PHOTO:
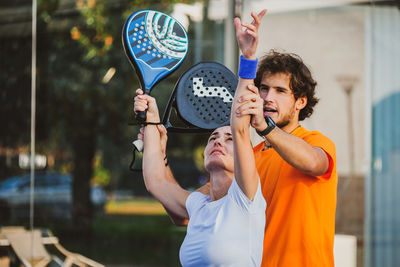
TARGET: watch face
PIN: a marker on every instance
(269, 121)
(270, 127)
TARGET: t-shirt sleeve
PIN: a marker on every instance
(319, 140)
(237, 195)
(194, 202)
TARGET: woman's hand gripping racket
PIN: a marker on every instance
(155, 44)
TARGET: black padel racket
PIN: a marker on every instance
(202, 98)
(156, 44)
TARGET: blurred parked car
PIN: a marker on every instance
(53, 197)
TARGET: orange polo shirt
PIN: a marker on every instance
(300, 214)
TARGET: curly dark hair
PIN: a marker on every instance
(301, 81)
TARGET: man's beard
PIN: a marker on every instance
(286, 119)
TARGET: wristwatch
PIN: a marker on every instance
(271, 125)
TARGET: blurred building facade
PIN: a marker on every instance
(352, 50)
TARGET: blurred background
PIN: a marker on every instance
(83, 190)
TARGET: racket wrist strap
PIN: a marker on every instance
(247, 68)
(151, 123)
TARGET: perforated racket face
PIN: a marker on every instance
(204, 95)
(155, 43)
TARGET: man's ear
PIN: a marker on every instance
(301, 102)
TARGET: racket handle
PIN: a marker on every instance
(141, 116)
(138, 144)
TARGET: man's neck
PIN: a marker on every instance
(289, 128)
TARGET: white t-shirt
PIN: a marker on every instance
(225, 232)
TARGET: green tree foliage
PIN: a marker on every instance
(79, 115)
(95, 114)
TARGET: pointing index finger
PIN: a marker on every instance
(257, 18)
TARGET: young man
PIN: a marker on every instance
(297, 167)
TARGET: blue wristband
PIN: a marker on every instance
(247, 68)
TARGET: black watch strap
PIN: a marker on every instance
(271, 125)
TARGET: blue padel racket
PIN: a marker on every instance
(156, 44)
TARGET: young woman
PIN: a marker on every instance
(226, 226)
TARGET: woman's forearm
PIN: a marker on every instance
(245, 171)
(153, 160)
(158, 178)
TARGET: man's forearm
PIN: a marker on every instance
(298, 153)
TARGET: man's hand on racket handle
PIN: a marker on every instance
(252, 104)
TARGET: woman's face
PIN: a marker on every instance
(219, 150)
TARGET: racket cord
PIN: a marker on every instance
(133, 161)
(137, 149)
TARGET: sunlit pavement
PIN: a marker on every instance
(135, 207)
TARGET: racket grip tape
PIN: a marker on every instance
(141, 116)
